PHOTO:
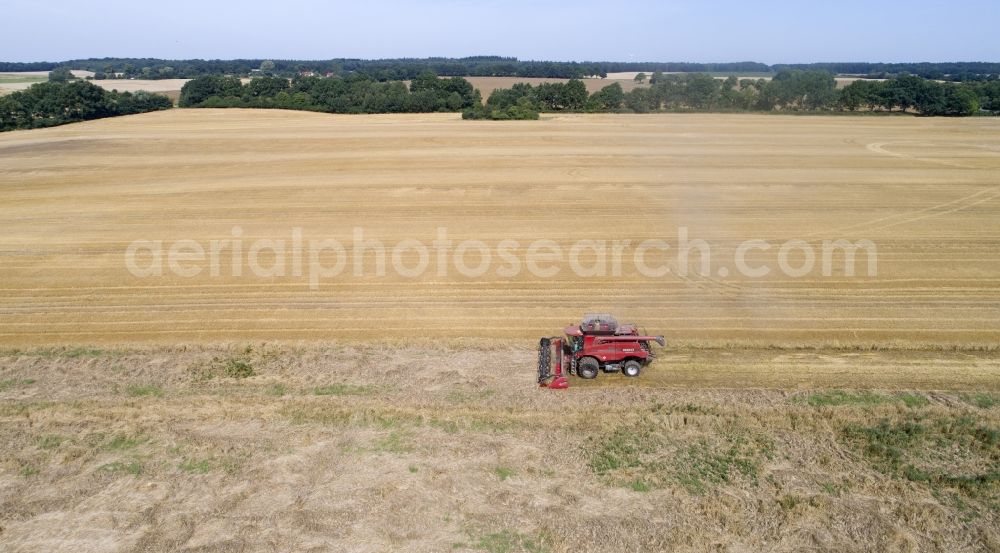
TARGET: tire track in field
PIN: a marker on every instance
(940, 213)
(879, 148)
(908, 214)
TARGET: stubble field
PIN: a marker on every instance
(374, 413)
(924, 191)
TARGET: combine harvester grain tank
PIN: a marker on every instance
(597, 344)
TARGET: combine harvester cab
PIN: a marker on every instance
(597, 344)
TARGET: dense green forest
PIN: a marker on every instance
(486, 66)
(353, 94)
(56, 103)
(788, 91)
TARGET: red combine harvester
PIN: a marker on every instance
(597, 343)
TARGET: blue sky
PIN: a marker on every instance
(769, 31)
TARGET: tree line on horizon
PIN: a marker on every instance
(64, 101)
(488, 66)
(792, 91)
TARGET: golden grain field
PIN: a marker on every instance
(924, 191)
